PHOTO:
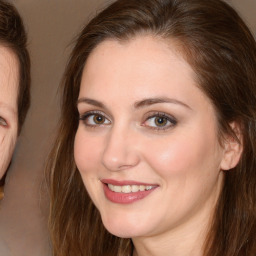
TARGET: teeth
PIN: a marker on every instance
(126, 189)
(129, 188)
(117, 189)
(135, 188)
(111, 187)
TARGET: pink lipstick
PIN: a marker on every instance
(126, 192)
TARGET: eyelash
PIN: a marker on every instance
(167, 118)
(170, 120)
(87, 115)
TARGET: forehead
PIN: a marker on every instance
(140, 47)
(9, 79)
(144, 64)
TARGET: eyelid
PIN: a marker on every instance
(92, 112)
(170, 118)
(87, 114)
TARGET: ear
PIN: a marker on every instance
(233, 148)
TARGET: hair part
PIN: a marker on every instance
(219, 47)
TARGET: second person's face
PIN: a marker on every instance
(147, 145)
(9, 81)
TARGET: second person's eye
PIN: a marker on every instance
(3, 122)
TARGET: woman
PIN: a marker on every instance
(159, 108)
(14, 81)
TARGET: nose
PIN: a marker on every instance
(120, 151)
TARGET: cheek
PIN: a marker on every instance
(188, 167)
(7, 144)
(184, 154)
(87, 152)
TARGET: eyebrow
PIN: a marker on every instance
(137, 104)
(91, 102)
(152, 101)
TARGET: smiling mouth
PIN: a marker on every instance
(129, 188)
(126, 192)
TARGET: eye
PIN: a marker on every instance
(160, 121)
(94, 119)
(3, 122)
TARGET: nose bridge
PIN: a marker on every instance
(120, 151)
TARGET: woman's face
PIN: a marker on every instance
(9, 73)
(147, 145)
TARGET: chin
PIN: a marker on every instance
(124, 227)
(123, 233)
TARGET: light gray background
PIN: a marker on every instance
(51, 25)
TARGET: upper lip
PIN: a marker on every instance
(125, 182)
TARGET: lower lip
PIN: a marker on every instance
(125, 198)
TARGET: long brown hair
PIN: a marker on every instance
(217, 44)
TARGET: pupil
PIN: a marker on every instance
(160, 121)
(98, 119)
